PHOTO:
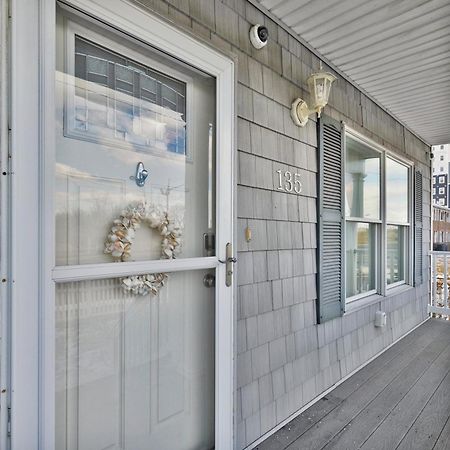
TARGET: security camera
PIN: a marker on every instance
(259, 35)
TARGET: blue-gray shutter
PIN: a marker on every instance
(418, 228)
(331, 231)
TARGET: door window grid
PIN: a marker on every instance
(125, 102)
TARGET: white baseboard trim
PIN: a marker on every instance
(324, 393)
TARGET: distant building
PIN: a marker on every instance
(441, 170)
(440, 188)
(441, 228)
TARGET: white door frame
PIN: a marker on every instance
(32, 214)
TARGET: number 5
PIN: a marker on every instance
(297, 183)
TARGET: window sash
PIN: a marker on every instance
(381, 286)
(374, 254)
(405, 255)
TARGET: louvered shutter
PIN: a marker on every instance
(331, 232)
(418, 228)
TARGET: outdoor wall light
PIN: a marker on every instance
(319, 84)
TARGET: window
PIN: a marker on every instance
(377, 210)
(442, 147)
(434, 191)
(441, 157)
(441, 179)
(441, 201)
(441, 169)
(362, 209)
(441, 190)
(397, 219)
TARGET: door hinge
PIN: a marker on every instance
(229, 261)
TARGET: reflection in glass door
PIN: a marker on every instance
(134, 354)
(135, 373)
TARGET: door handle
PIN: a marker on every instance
(229, 261)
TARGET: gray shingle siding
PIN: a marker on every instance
(283, 358)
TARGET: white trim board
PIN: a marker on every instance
(4, 225)
(323, 394)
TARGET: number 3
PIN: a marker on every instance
(288, 186)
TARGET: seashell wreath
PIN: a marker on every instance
(120, 239)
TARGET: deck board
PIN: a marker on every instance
(368, 420)
(443, 442)
(384, 403)
(426, 430)
(395, 426)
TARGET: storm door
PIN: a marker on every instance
(136, 243)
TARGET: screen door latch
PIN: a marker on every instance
(229, 261)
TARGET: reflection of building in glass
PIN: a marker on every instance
(126, 102)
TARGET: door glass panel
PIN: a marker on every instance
(133, 372)
(118, 107)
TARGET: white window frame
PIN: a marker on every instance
(32, 272)
(381, 287)
(408, 250)
(376, 222)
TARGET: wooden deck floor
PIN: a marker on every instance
(401, 400)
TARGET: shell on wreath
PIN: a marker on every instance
(143, 284)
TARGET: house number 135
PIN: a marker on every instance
(289, 182)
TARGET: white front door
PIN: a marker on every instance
(142, 312)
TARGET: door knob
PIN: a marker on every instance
(209, 280)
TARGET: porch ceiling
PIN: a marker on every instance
(398, 51)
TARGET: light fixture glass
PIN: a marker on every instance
(319, 85)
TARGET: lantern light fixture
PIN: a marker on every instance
(319, 84)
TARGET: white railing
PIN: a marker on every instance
(439, 303)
